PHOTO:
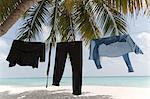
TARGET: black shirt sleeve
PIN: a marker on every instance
(42, 53)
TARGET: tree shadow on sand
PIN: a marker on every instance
(45, 94)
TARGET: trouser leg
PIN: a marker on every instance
(60, 59)
(128, 63)
(75, 53)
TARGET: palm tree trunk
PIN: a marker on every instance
(20, 10)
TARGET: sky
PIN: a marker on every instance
(139, 30)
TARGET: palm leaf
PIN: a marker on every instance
(68, 4)
(110, 21)
(6, 8)
(127, 6)
(86, 24)
(62, 22)
(92, 18)
(33, 19)
(66, 29)
(54, 23)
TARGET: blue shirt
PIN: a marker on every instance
(114, 46)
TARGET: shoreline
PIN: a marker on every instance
(65, 92)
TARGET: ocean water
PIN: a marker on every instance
(66, 81)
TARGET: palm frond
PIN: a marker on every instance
(68, 4)
(92, 18)
(7, 7)
(62, 22)
(147, 10)
(110, 21)
(86, 24)
(54, 23)
(127, 6)
(33, 19)
(66, 23)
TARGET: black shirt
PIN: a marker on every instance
(26, 53)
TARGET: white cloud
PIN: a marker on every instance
(3, 49)
(3, 43)
(2, 56)
(145, 38)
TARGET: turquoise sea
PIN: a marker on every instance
(101, 81)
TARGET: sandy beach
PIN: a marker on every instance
(65, 92)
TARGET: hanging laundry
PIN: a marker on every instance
(74, 49)
(114, 46)
(26, 53)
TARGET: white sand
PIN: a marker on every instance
(65, 92)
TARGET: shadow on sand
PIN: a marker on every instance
(45, 94)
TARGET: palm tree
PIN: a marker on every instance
(11, 11)
(90, 18)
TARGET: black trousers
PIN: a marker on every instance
(74, 49)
